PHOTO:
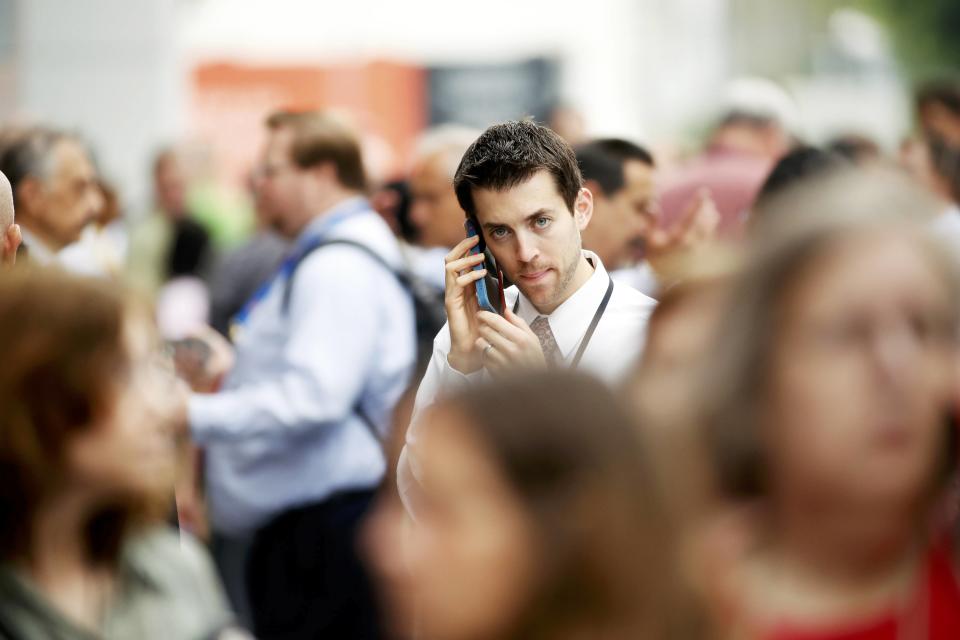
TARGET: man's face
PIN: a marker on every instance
(434, 209)
(534, 236)
(278, 184)
(70, 198)
(170, 184)
(622, 220)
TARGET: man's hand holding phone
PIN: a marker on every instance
(460, 300)
(478, 336)
(508, 342)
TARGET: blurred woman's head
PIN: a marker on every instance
(82, 421)
(541, 519)
(832, 376)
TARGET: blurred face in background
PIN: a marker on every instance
(622, 220)
(434, 209)
(61, 205)
(129, 452)
(678, 340)
(862, 375)
(464, 570)
(170, 185)
(279, 185)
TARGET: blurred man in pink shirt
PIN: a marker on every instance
(752, 134)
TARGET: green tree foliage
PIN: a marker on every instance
(926, 33)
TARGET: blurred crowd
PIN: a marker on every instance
(539, 386)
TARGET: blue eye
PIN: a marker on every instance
(542, 222)
(498, 233)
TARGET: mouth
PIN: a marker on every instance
(893, 436)
(534, 277)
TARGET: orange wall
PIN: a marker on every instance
(230, 101)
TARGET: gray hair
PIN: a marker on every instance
(30, 154)
(450, 140)
(810, 219)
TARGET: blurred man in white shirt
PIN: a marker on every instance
(55, 190)
(323, 352)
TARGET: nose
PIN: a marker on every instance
(526, 248)
(894, 352)
(419, 213)
(95, 203)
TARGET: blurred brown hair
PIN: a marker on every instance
(319, 137)
(608, 555)
(806, 222)
(64, 356)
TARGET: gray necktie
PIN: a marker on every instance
(548, 343)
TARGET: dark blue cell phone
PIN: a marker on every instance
(490, 287)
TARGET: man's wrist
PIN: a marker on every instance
(464, 364)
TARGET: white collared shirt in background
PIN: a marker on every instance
(284, 431)
(610, 355)
(640, 276)
(37, 251)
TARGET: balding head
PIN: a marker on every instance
(9, 232)
(6, 203)
(434, 210)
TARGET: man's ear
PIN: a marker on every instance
(583, 208)
(11, 242)
(326, 172)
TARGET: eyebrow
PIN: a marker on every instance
(536, 214)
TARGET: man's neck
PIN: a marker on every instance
(320, 208)
(59, 563)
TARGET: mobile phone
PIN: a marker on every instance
(490, 287)
(190, 354)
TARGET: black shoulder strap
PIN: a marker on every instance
(288, 288)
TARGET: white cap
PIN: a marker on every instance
(761, 98)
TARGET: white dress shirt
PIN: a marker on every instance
(640, 276)
(284, 430)
(37, 251)
(427, 264)
(611, 353)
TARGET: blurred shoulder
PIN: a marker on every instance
(174, 562)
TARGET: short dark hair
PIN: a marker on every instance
(800, 165)
(320, 137)
(510, 153)
(943, 91)
(603, 160)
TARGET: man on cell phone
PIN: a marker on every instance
(520, 186)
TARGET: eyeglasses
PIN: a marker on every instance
(267, 171)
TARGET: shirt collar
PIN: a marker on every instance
(570, 320)
(37, 251)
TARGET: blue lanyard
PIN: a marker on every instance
(338, 215)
